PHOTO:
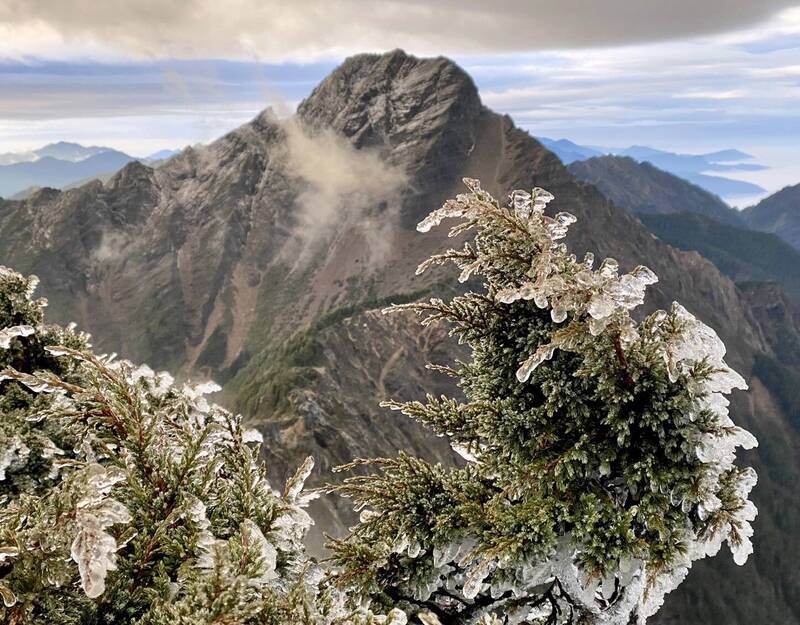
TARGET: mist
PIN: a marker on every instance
(344, 188)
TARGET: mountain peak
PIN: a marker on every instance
(417, 112)
(396, 82)
(133, 171)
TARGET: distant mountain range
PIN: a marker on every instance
(690, 218)
(647, 190)
(63, 151)
(63, 165)
(692, 167)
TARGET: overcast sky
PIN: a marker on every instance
(141, 75)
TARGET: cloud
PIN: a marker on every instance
(110, 248)
(280, 30)
(343, 185)
(730, 94)
(786, 71)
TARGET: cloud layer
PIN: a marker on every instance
(302, 30)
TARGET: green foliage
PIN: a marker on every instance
(600, 453)
(599, 462)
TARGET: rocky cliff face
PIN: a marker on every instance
(779, 214)
(261, 258)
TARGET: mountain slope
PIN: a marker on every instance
(643, 188)
(261, 258)
(741, 254)
(690, 218)
(779, 214)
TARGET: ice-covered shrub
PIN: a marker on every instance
(600, 454)
(127, 498)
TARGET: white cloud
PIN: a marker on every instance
(786, 71)
(731, 94)
(280, 30)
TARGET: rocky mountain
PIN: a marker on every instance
(779, 214)
(643, 188)
(263, 258)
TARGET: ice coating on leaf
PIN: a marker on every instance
(12, 332)
(294, 486)
(50, 449)
(541, 198)
(36, 383)
(428, 618)
(57, 350)
(7, 552)
(13, 453)
(510, 295)
(206, 388)
(468, 271)
(196, 394)
(142, 372)
(9, 599)
(267, 554)
(609, 268)
(476, 578)
(522, 202)
(539, 356)
(601, 305)
(699, 342)
(558, 314)
(290, 528)
(558, 227)
(94, 549)
(450, 210)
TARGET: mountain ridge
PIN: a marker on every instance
(779, 214)
(644, 188)
(207, 265)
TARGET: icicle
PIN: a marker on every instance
(539, 356)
